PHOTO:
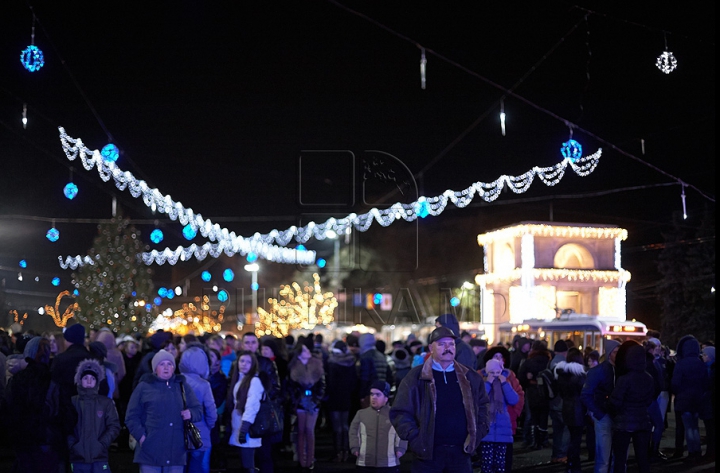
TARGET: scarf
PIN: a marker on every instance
(497, 400)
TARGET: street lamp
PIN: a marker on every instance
(253, 269)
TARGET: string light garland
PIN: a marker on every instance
(196, 318)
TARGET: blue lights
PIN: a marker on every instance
(53, 234)
(32, 58)
(157, 300)
(110, 152)
(377, 298)
(55, 281)
(77, 293)
(23, 263)
(189, 232)
(454, 302)
(571, 150)
(254, 286)
(252, 257)
(422, 210)
(170, 294)
(206, 276)
(301, 248)
(70, 190)
(156, 236)
(228, 275)
(163, 292)
(222, 295)
(134, 293)
(321, 262)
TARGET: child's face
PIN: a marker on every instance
(377, 399)
(88, 381)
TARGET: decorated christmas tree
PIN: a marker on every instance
(116, 291)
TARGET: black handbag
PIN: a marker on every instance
(268, 421)
(193, 441)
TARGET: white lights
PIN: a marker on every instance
(178, 291)
(252, 267)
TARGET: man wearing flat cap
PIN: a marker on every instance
(441, 409)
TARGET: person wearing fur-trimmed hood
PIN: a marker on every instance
(98, 424)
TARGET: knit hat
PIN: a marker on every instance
(158, 339)
(381, 386)
(162, 355)
(610, 345)
(560, 346)
(31, 347)
(75, 334)
(493, 364)
(709, 352)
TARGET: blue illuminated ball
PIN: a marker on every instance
(32, 58)
(454, 302)
(170, 294)
(571, 150)
(163, 292)
(206, 276)
(76, 293)
(70, 190)
(301, 248)
(23, 263)
(110, 152)
(254, 286)
(321, 262)
(377, 298)
(189, 232)
(228, 275)
(157, 301)
(423, 210)
(55, 281)
(156, 236)
(53, 234)
(222, 295)
(252, 257)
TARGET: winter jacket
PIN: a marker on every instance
(599, 383)
(690, 377)
(516, 409)
(342, 382)
(372, 434)
(570, 380)
(463, 352)
(115, 356)
(63, 374)
(500, 430)
(98, 423)
(306, 384)
(154, 411)
(633, 394)
(413, 411)
(536, 361)
(372, 366)
(194, 366)
(246, 413)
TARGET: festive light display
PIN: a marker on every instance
(563, 231)
(110, 152)
(23, 263)
(17, 318)
(32, 58)
(55, 281)
(115, 291)
(70, 190)
(53, 234)
(666, 62)
(156, 236)
(54, 312)
(228, 275)
(196, 318)
(228, 242)
(206, 276)
(555, 274)
(300, 308)
(571, 150)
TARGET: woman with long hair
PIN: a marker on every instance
(247, 392)
(306, 387)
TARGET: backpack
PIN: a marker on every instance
(547, 384)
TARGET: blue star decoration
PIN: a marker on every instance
(32, 58)
(571, 150)
(70, 190)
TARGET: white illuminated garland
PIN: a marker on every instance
(262, 244)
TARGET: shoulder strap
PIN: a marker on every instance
(182, 391)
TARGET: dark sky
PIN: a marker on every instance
(215, 103)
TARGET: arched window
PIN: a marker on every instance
(573, 256)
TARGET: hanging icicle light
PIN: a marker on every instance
(423, 67)
(666, 62)
(502, 117)
(24, 118)
(682, 196)
(31, 57)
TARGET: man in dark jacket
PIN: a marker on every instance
(441, 409)
(464, 354)
(595, 393)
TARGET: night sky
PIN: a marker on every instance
(218, 103)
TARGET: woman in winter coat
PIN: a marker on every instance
(496, 447)
(247, 392)
(570, 375)
(690, 384)
(502, 354)
(342, 388)
(535, 396)
(195, 367)
(155, 417)
(305, 387)
(629, 401)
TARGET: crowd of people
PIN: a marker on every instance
(453, 402)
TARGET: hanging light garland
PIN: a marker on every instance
(32, 57)
(666, 62)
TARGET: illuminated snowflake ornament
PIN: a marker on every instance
(571, 150)
(666, 62)
(32, 58)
